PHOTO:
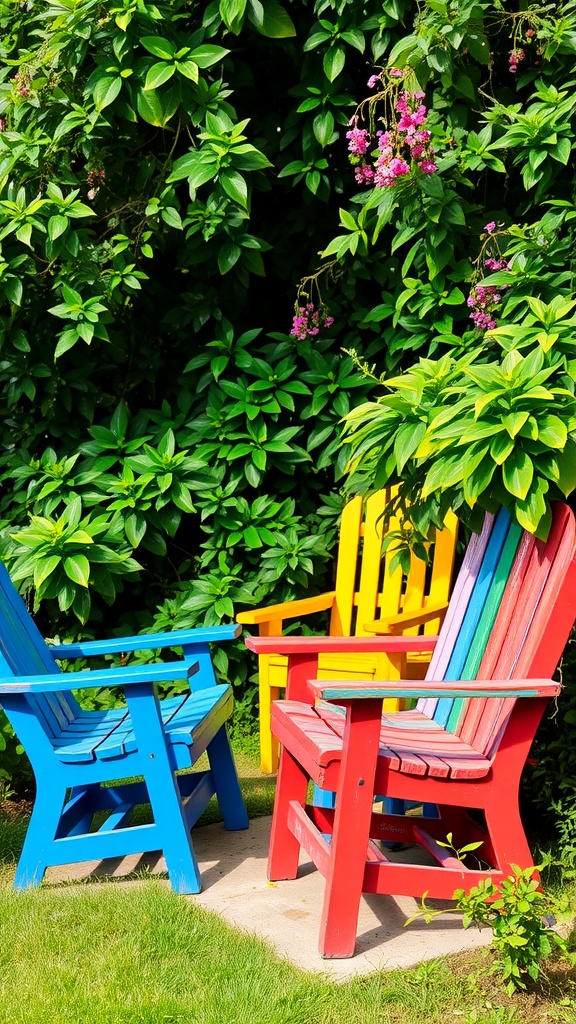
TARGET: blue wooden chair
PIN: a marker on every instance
(76, 755)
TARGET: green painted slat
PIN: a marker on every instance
(487, 619)
(451, 690)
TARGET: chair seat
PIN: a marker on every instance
(410, 742)
(102, 736)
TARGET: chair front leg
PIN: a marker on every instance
(169, 817)
(350, 837)
(292, 785)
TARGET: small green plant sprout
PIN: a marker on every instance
(460, 853)
(522, 918)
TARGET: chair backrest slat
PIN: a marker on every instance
(23, 651)
(345, 587)
(474, 610)
(538, 626)
(486, 623)
(515, 624)
(366, 587)
(457, 609)
(371, 568)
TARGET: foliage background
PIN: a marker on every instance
(168, 172)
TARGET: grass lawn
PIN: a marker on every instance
(135, 953)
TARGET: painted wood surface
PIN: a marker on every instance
(520, 619)
(369, 596)
(73, 751)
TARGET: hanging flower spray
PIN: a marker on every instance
(381, 157)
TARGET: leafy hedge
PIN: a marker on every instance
(168, 172)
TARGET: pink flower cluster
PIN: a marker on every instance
(94, 179)
(358, 141)
(482, 301)
(500, 264)
(22, 80)
(405, 144)
(308, 321)
(514, 59)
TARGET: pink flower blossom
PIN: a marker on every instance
(364, 175)
(358, 141)
(373, 80)
(396, 73)
(490, 226)
(308, 321)
(428, 166)
(494, 264)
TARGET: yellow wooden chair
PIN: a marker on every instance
(368, 598)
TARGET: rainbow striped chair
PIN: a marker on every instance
(463, 747)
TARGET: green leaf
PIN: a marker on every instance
(333, 63)
(172, 218)
(252, 537)
(207, 55)
(157, 75)
(77, 569)
(552, 431)
(158, 47)
(235, 186)
(135, 528)
(567, 467)
(530, 511)
(106, 91)
(81, 605)
(44, 567)
(517, 473)
(501, 447)
(228, 256)
(189, 69)
(271, 19)
(406, 442)
(194, 167)
(57, 225)
(232, 14)
(150, 108)
(323, 127)
(66, 341)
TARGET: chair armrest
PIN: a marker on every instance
(339, 644)
(404, 620)
(339, 691)
(288, 609)
(147, 641)
(160, 672)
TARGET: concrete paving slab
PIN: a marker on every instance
(287, 914)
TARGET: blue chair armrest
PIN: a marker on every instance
(159, 672)
(147, 641)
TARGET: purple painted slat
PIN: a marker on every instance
(457, 609)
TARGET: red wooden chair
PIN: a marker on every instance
(462, 748)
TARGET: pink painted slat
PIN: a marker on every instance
(474, 710)
(457, 609)
(552, 622)
(523, 622)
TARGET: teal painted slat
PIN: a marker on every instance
(474, 610)
(487, 619)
